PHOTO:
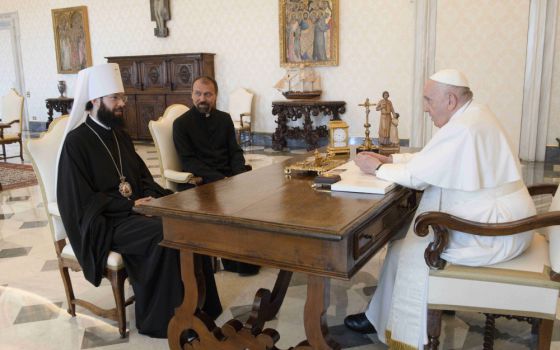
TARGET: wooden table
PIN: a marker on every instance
(266, 218)
(60, 104)
(296, 109)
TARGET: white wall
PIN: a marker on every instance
(375, 48)
(487, 39)
(554, 120)
(7, 74)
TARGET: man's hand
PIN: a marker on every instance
(141, 201)
(367, 163)
(383, 159)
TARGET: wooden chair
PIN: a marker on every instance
(11, 114)
(240, 102)
(169, 161)
(525, 288)
(43, 152)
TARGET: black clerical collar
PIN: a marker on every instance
(204, 115)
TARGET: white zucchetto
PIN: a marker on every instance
(451, 77)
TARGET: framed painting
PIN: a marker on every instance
(71, 39)
(308, 32)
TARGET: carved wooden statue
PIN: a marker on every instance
(160, 13)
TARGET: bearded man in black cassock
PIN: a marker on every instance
(205, 141)
(101, 179)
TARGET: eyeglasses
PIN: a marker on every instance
(116, 98)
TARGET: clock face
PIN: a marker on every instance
(339, 136)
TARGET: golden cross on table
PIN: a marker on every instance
(367, 145)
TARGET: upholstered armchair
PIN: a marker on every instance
(11, 124)
(240, 102)
(525, 288)
(169, 161)
(43, 152)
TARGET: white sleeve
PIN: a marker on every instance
(399, 158)
(400, 174)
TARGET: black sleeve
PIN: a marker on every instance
(237, 160)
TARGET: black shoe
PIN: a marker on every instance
(359, 323)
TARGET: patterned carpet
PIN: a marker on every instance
(16, 176)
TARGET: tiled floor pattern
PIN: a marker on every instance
(33, 304)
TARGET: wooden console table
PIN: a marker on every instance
(59, 104)
(265, 218)
(296, 109)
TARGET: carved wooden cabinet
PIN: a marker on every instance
(156, 81)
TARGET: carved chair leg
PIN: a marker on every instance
(68, 289)
(545, 334)
(117, 284)
(489, 332)
(434, 329)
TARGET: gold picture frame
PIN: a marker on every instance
(308, 32)
(71, 39)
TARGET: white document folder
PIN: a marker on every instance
(354, 180)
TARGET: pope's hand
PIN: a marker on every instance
(367, 163)
(383, 159)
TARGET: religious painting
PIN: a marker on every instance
(71, 38)
(308, 32)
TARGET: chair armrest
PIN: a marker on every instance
(181, 177)
(442, 222)
(177, 176)
(244, 115)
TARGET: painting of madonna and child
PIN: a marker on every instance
(308, 32)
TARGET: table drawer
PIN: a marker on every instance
(380, 229)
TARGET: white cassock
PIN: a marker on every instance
(468, 170)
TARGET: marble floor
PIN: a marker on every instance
(33, 304)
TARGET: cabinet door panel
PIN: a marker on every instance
(184, 99)
(148, 107)
(130, 75)
(182, 72)
(129, 116)
(154, 75)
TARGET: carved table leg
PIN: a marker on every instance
(434, 329)
(279, 136)
(266, 304)
(183, 318)
(489, 330)
(315, 320)
(309, 134)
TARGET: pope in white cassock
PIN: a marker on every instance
(469, 170)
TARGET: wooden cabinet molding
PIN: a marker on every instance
(153, 82)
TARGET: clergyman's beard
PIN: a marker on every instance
(203, 108)
(110, 118)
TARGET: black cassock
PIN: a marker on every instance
(97, 219)
(208, 148)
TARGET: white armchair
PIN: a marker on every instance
(11, 124)
(43, 152)
(240, 103)
(169, 161)
(525, 287)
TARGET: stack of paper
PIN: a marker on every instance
(354, 180)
